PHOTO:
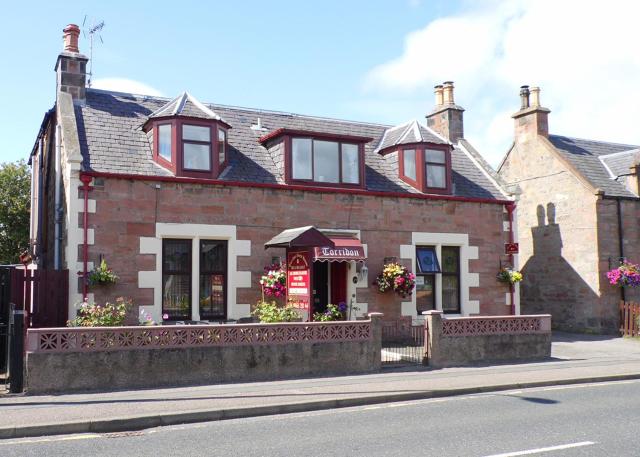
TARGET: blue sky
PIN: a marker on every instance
(365, 60)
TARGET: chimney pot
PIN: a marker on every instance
(535, 97)
(447, 88)
(439, 96)
(524, 97)
(71, 33)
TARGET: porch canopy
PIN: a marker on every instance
(308, 236)
(331, 247)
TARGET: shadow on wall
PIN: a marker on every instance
(551, 285)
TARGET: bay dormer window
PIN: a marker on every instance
(188, 138)
(314, 158)
(427, 168)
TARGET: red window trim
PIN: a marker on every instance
(288, 153)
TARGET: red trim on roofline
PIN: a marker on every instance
(327, 190)
(334, 136)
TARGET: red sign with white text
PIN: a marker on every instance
(298, 279)
(511, 248)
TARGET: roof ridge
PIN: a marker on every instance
(245, 108)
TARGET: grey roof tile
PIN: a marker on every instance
(585, 156)
(112, 140)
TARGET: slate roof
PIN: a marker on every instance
(587, 157)
(111, 140)
(411, 132)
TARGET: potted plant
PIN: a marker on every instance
(274, 281)
(109, 315)
(333, 313)
(102, 275)
(396, 277)
(270, 312)
(509, 276)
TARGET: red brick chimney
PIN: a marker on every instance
(446, 117)
(532, 120)
(71, 66)
(71, 33)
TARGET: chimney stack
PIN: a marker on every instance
(446, 117)
(532, 120)
(71, 66)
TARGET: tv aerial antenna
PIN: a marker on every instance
(91, 30)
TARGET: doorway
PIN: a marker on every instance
(320, 287)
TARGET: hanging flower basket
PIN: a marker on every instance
(509, 276)
(397, 278)
(274, 281)
(627, 274)
(102, 275)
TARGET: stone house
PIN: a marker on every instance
(577, 218)
(180, 198)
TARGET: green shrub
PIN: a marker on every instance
(109, 315)
(270, 312)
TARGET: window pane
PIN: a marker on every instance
(450, 293)
(436, 176)
(176, 296)
(425, 293)
(325, 161)
(212, 296)
(410, 163)
(196, 133)
(222, 140)
(350, 164)
(427, 260)
(164, 141)
(176, 256)
(450, 259)
(196, 156)
(213, 256)
(301, 158)
(434, 156)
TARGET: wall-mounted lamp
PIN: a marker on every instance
(362, 271)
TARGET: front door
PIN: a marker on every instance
(320, 286)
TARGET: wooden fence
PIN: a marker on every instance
(629, 318)
(43, 293)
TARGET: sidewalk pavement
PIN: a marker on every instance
(575, 359)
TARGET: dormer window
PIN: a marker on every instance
(424, 157)
(188, 138)
(322, 159)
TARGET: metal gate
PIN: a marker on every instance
(403, 342)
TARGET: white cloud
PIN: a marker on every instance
(581, 53)
(125, 85)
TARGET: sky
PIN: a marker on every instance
(374, 60)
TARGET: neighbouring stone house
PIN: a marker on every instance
(578, 215)
(180, 198)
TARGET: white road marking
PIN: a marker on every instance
(86, 436)
(540, 450)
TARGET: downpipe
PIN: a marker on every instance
(57, 244)
(86, 180)
(512, 288)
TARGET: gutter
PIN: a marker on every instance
(318, 189)
(57, 206)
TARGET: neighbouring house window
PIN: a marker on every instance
(409, 163)
(213, 279)
(436, 168)
(164, 141)
(176, 279)
(427, 268)
(450, 279)
(325, 161)
(196, 147)
(222, 146)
